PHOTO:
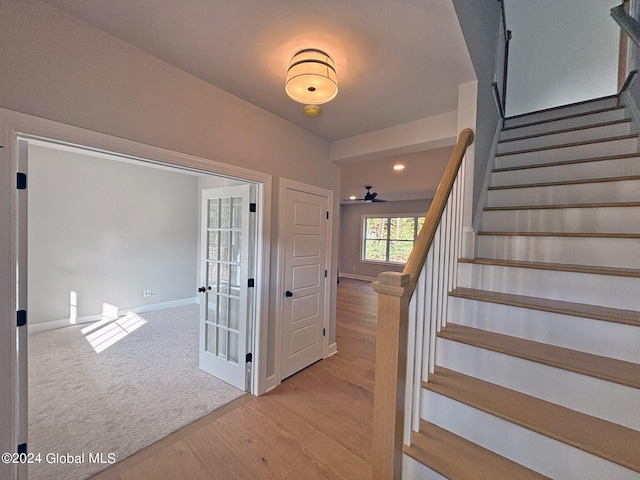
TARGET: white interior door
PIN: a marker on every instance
(305, 265)
(224, 299)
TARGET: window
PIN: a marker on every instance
(389, 239)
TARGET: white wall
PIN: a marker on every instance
(480, 23)
(59, 68)
(561, 52)
(107, 230)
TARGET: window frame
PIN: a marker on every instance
(388, 217)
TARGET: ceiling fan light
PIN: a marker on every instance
(311, 77)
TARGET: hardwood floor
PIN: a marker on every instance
(316, 425)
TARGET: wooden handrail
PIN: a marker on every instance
(425, 237)
(627, 23)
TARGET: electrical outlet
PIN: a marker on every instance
(147, 293)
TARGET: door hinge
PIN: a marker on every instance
(249, 357)
(21, 182)
(324, 332)
(22, 449)
(251, 283)
(22, 318)
(325, 274)
(252, 207)
(327, 215)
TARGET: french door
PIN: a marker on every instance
(225, 304)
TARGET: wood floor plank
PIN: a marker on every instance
(316, 425)
(175, 463)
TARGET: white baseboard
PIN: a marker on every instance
(332, 349)
(357, 277)
(64, 322)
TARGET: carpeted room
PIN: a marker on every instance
(97, 240)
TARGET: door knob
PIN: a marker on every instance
(201, 289)
(288, 293)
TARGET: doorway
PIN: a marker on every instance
(74, 301)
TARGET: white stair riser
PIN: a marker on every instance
(603, 252)
(598, 398)
(606, 290)
(614, 130)
(561, 112)
(414, 470)
(600, 192)
(587, 220)
(578, 171)
(576, 152)
(535, 451)
(608, 339)
(581, 121)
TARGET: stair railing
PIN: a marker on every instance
(629, 29)
(408, 323)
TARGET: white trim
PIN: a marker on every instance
(64, 322)
(270, 383)
(632, 107)
(357, 277)
(286, 184)
(332, 350)
(363, 236)
(484, 192)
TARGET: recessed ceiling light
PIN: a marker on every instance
(352, 197)
(398, 167)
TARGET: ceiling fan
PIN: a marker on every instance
(369, 196)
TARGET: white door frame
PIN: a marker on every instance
(15, 126)
(286, 184)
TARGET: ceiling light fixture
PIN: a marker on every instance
(311, 79)
(398, 167)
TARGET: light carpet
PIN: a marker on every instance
(130, 395)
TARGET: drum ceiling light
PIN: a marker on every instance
(311, 77)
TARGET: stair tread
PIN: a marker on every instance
(442, 451)
(604, 368)
(563, 267)
(596, 312)
(569, 105)
(566, 130)
(567, 145)
(562, 234)
(560, 118)
(567, 205)
(599, 437)
(581, 181)
(568, 162)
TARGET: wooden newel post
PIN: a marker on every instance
(394, 292)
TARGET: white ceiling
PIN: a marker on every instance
(397, 60)
(417, 181)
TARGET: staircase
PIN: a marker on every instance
(538, 367)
